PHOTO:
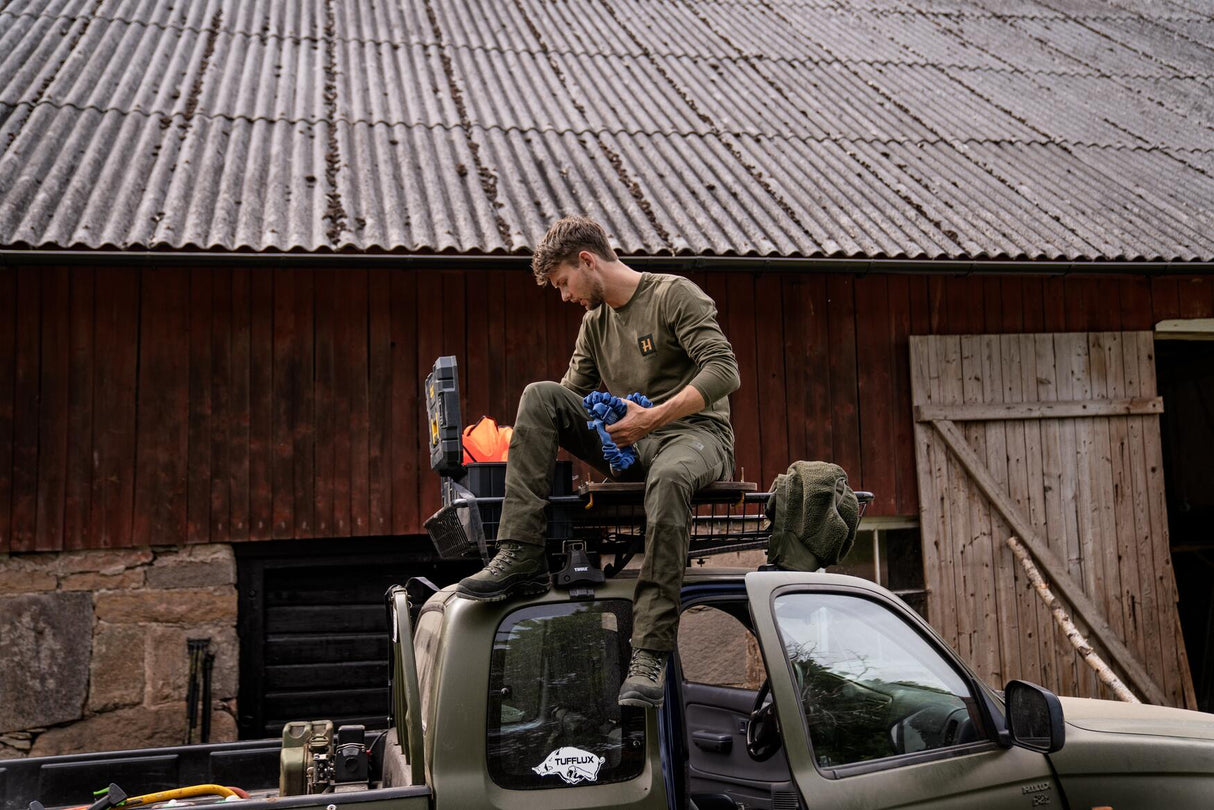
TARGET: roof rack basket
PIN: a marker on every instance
(727, 516)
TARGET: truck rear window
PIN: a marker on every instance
(553, 717)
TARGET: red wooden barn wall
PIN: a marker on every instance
(144, 406)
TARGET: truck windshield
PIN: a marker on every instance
(553, 716)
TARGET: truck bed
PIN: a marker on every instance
(70, 780)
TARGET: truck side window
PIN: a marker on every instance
(553, 684)
(871, 686)
(716, 649)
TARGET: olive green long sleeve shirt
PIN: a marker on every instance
(663, 339)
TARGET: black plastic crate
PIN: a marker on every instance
(487, 481)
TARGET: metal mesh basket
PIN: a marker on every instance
(457, 531)
(466, 528)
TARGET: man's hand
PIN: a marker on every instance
(637, 424)
(640, 422)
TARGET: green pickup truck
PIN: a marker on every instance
(789, 690)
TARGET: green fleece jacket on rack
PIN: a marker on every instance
(813, 514)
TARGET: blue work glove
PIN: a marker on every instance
(606, 409)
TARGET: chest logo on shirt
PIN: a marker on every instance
(647, 345)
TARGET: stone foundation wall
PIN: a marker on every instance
(93, 652)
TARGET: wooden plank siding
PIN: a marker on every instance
(168, 433)
(239, 386)
(25, 411)
(8, 369)
(154, 405)
(77, 528)
(115, 384)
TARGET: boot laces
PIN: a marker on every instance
(646, 665)
(506, 555)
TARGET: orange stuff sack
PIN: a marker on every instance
(486, 441)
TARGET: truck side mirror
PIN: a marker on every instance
(1034, 717)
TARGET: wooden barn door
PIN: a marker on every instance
(1052, 438)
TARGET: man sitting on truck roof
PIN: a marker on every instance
(658, 336)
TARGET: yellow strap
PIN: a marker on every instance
(179, 793)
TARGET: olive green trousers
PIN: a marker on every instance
(674, 462)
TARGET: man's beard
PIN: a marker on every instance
(595, 299)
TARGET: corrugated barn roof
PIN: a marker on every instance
(953, 129)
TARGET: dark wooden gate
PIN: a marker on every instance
(1052, 438)
(314, 631)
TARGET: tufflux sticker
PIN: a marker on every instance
(571, 764)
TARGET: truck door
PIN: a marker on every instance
(874, 711)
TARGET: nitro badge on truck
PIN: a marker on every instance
(571, 764)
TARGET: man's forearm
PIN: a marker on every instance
(685, 403)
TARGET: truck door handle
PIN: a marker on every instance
(708, 741)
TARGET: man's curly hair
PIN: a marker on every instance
(567, 238)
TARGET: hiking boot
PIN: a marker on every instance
(518, 569)
(646, 681)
